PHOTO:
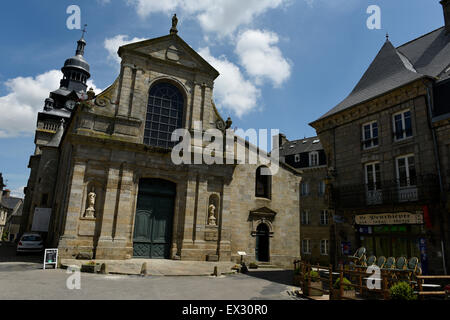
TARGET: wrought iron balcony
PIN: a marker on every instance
(398, 191)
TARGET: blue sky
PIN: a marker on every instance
(296, 58)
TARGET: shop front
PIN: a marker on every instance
(400, 234)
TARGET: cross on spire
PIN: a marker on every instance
(84, 31)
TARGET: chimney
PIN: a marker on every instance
(6, 193)
(281, 138)
(446, 7)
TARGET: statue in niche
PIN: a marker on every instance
(90, 211)
(212, 218)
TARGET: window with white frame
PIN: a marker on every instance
(297, 158)
(321, 188)
(324, 247)
(306, 246)
(402, 125)
(324, 217)
(406, 171)
(370, 135)
(305, 217)
(373, 176)
(313, 159)
(304, 188)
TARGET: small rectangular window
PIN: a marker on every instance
(406, 171)
(297, 158)
(370, 135)
(305, 217)
(306, 246)
(304, 189)
(402, 125)
(324, 217)
(324, 247)
(313, 159)
(321, 188)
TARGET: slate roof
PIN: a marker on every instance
(427, 56)
(300, 146)
(10, 202)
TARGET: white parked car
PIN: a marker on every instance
(30, 242)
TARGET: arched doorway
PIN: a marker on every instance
(154, 219)
(262, 243)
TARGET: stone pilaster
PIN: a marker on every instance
(68, 243)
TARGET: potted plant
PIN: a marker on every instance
(297, 276)
(402, 291)
(314, 290)
(349, 291)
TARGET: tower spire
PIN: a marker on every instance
(81, 43)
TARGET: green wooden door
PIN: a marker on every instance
(154, 219)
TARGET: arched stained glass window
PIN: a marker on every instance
(164, 115)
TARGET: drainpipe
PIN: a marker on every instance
(438, 165)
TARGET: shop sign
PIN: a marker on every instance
(389, 218)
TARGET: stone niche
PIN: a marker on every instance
(212, 219)
(92, 205)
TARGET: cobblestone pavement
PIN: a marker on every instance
(23, 278)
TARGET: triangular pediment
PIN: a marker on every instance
(173, 49)
(263, 212)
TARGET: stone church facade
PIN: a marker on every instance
(117, 193)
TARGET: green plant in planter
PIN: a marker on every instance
(345, 281)
(297, 271)
(253, 265)
(314, 276)
(402, 291)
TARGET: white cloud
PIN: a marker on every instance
(113, 44)
(340, 5)
(261, 58)
(19, 108)
(18, 192)
(218, 16)
(232, 91)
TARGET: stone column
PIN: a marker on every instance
(140, 96)
(112, 194)
(225, 224)
(125, 91)
(191, 207)
(68, 242)
(124, 215)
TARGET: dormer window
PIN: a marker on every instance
(313, 159)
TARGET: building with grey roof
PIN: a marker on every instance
(388, 148)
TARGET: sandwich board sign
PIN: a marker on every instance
(51, 257)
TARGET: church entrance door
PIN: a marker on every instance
(262, 243)
(154, 219)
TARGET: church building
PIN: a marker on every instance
(103, 168)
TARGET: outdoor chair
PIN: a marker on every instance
(371, 261)
(401, 263)
(381, 261)
(399, 268)
(412, 268)
(390, 264)
(359, 254)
